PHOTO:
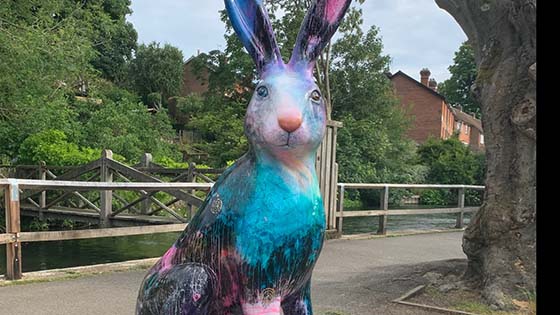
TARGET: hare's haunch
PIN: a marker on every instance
(252, 246)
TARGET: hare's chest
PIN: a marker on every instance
(280, 225)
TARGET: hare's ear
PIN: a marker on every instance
(251, 23)
(319, 25)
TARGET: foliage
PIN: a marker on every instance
(451, 162)
(104, 24)
(436, 197)
(41, 59)
(457, 89)
(473, 197)
(124, 126)
(157, 69)
(220, 127)
(49, 53)
(52, 146)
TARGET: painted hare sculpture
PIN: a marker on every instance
(252, 246)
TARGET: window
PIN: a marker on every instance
(481, 139)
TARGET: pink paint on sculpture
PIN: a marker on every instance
(166, 259)
(334, 9)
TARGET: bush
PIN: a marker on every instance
(473, 197)
(451, 162)
(52, 146)
(433, 197)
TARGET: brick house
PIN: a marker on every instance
(193, 83)
(431, 115)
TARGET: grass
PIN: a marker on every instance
(472, 302)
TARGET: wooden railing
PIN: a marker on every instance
(14, 188)
(112, 208)
(384, 211)
(13, 237)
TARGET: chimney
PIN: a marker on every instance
(424, 76)
(433, 84)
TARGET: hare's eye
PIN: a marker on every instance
(316, 96)
(262, 91)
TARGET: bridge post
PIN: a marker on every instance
(191, 177)
(340, 210)
(13, 250)
(146, 203)
(106, 201)
(384, 203)
(461, 205)
(43, 198)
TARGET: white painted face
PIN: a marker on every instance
(286, 114)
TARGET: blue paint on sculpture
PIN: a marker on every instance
(252, 246)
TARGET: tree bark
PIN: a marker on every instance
(500, 241)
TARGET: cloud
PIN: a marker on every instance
(415, 33)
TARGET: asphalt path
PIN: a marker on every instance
(352, 277)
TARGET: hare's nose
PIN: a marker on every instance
(290, 121)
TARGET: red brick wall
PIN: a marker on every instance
(448, 125)
(474, 141)
(192, 83)
(424, 107)
(465, 133)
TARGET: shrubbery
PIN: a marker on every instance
(451, 162)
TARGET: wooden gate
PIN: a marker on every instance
(327, 172)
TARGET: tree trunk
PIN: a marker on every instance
(500, 241)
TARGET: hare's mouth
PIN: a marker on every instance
(287, 143)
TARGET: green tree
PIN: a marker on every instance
(157, 69)
(123, 124)
(104, 23)
(220, 126)
(41, 58)
(45, 52)
(458, 88)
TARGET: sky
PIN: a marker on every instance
(416, 34)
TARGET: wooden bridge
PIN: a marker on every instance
(85, 203)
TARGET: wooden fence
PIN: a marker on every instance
(384, 211)
(14, 188)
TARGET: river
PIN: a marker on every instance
(61, 254)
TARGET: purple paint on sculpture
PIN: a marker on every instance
(252, 245)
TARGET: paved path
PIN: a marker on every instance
(351, 277)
